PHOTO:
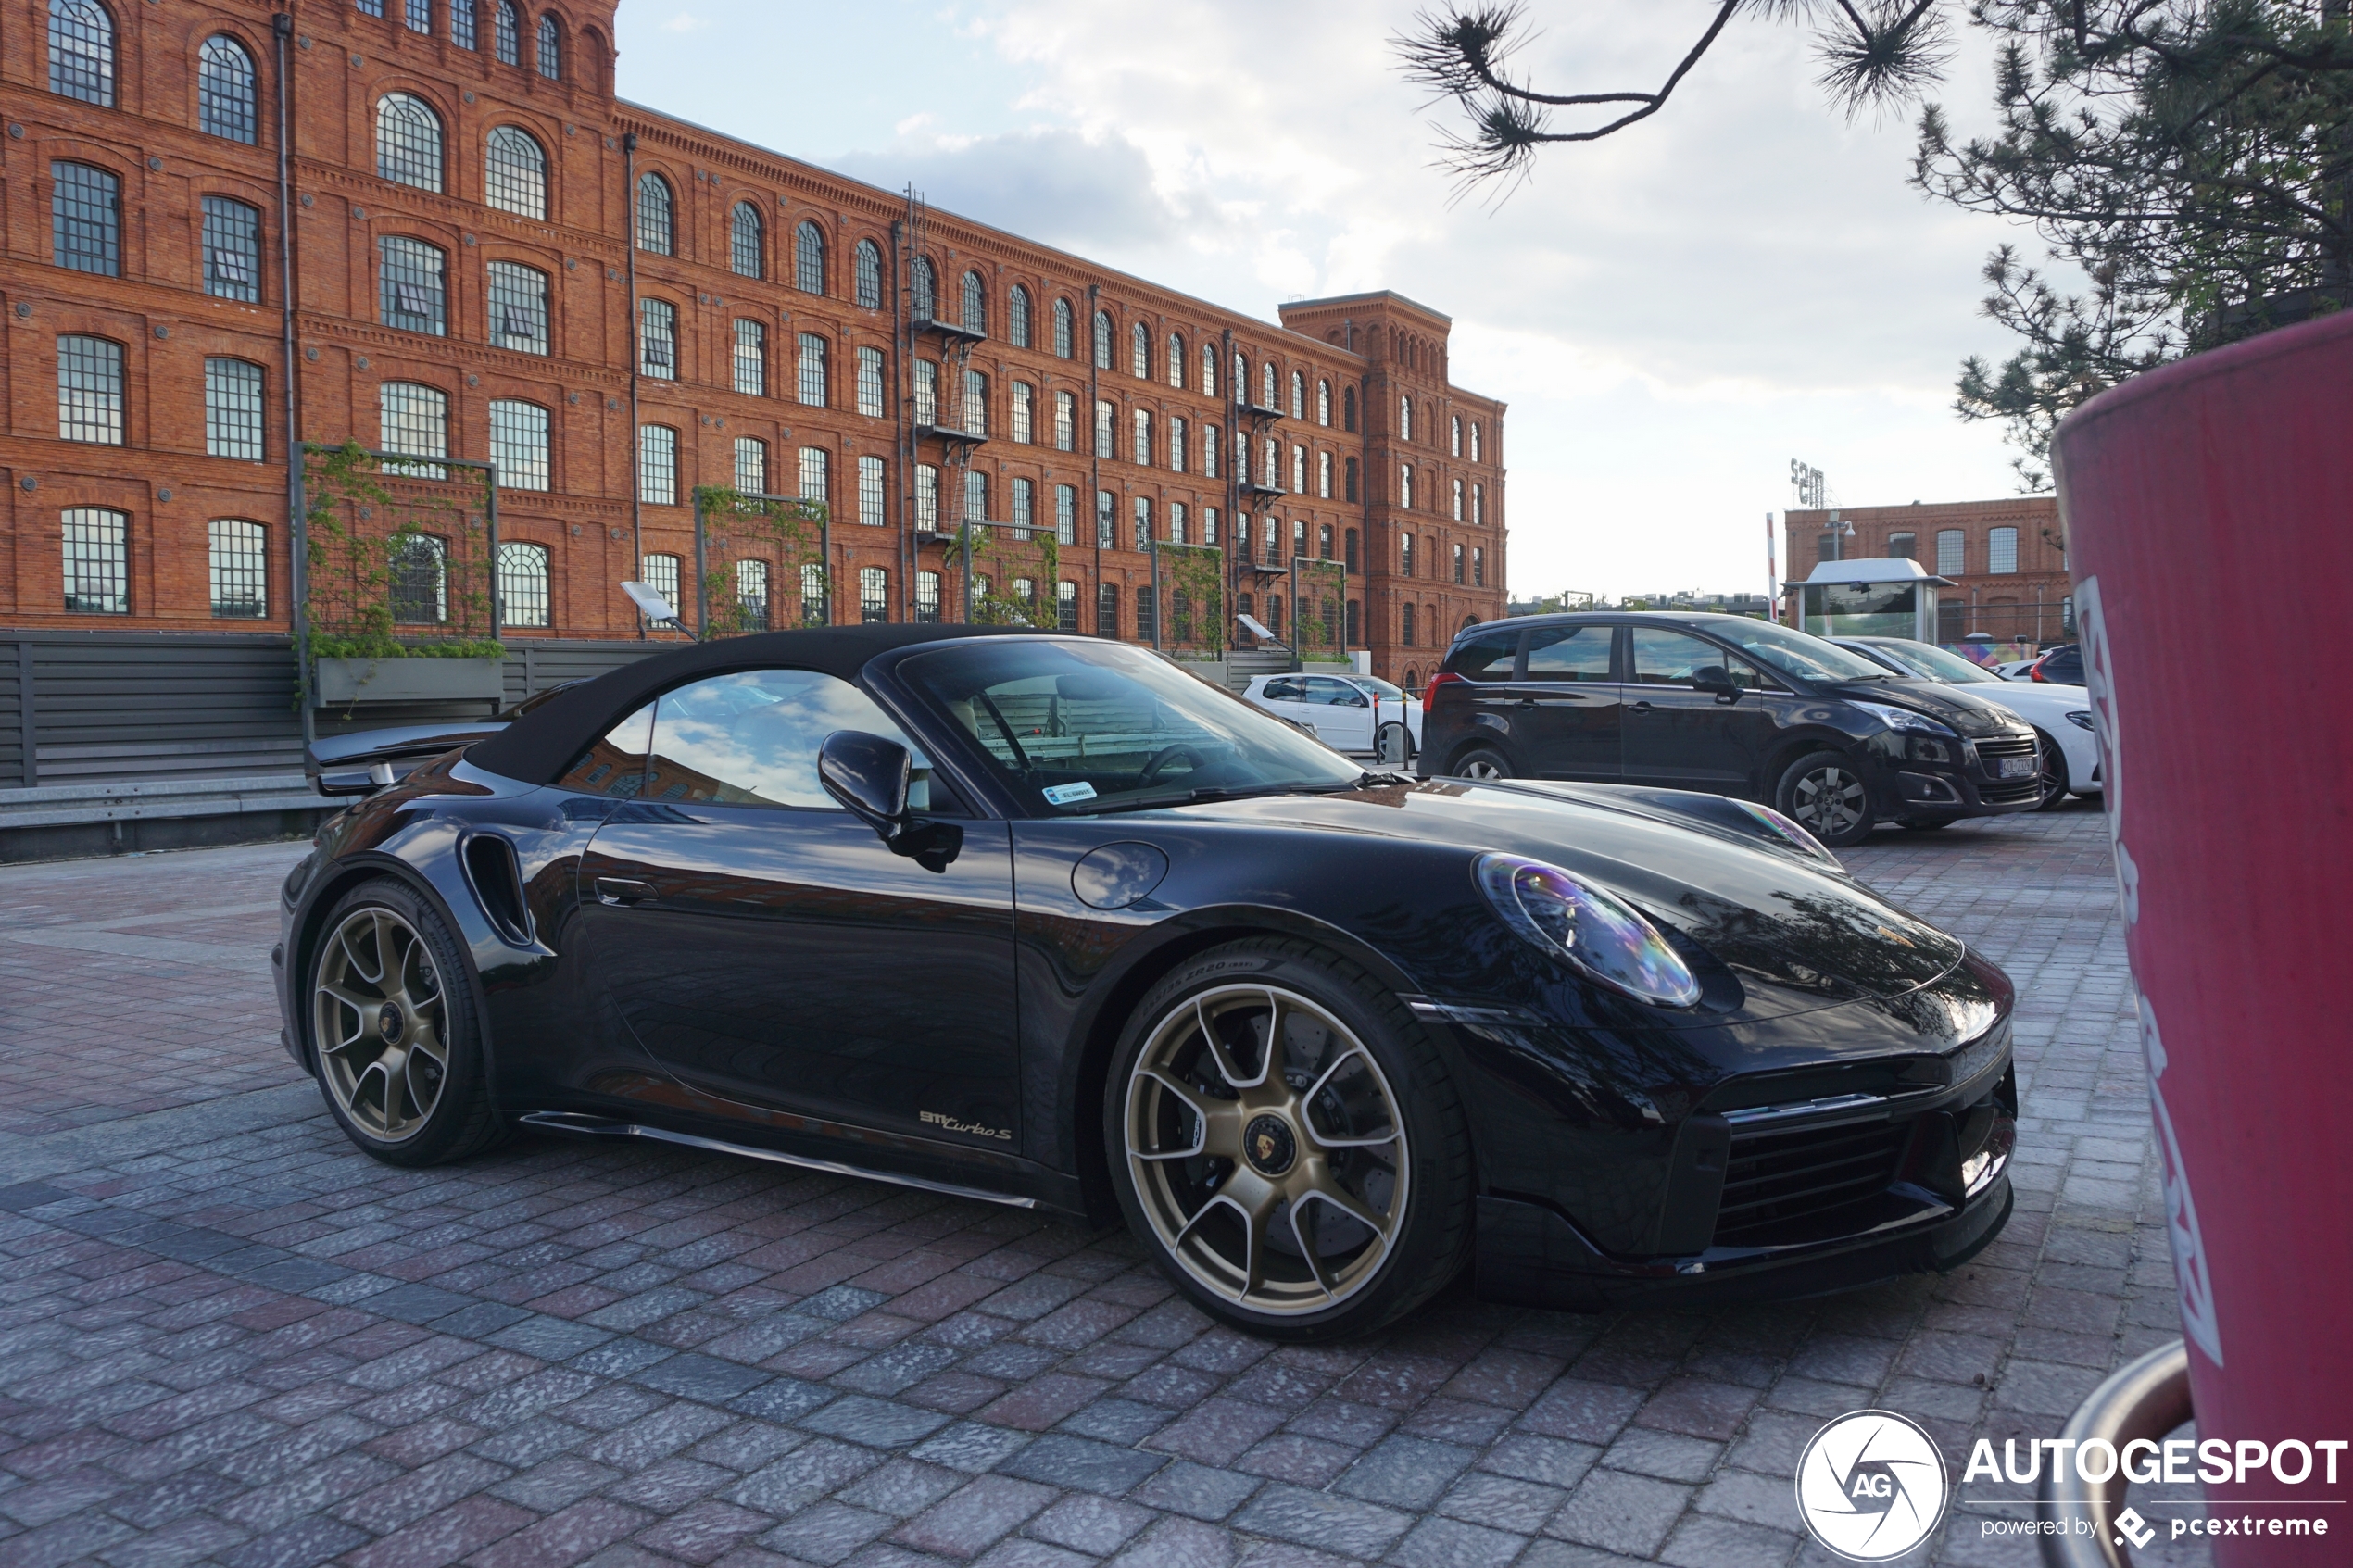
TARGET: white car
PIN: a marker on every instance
(1345, 711)
(2061, 715)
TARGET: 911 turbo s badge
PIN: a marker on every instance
(948, 1124)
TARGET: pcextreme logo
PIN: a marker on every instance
(1871, 1486)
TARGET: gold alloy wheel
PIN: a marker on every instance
(1266, 1149)
(381, 1025)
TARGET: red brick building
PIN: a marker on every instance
(2008, 559)
(460, 177)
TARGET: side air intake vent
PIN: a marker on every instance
(498, 882)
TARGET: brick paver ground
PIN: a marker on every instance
(226, 1336)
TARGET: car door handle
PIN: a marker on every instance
(621, 890)
(1640, 708)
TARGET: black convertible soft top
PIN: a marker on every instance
(537, 748)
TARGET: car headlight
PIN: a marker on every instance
(1905, 719)
(1795, 834)
(2080, 720)
(1599, 935)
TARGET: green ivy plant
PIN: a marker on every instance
(1198, 572)
(731, 519)
(351, 580)
(1002, 554)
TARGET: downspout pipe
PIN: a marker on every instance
(297, 505)
(1095, 460)
(636, 430)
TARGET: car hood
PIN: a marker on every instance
(1797, 934)
(2042, 701)
(1955, 705)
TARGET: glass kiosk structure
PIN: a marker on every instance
(1869, 598)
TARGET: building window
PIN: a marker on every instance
(1177, 523)
(658, 339)
(1146, 614)
(1139, 352)
(659, 573)
(239, 556)
(514, 174)
(1065, 514)
(1457, 503)
(85, 218)
(461, 23)
(1347, 476)
(1348, 550)
(657, 231)
(976, 403)
(1175, 355)
(816, 595)
(413, 421)
(1405, 623)
(1479, 567)
(407, 140)
(873, 594)
(870, 492)
(1405, 555)
(657, 465)
(1024, 414)
(1474, 450)
(2001, 551)
(1299, 395)
(926, 498)
(816, 476)
(751, 594)
(1459, 564)
(551, 48)
(1479, 502)
(1208, 370)
(1065, 420)
(97, 560)
(89, 390)
(1063, 329)
(1324, 541)
(420, 571)
(870, 383)
(926, 393)
(1299, 471)
(1023, 502)
(413, 295)
(1017, 317)
(752, 466)
(868, 268)
(232, 402)
(976, 304)
(508, 33)
(1141, 452)
(82, 51)
(1902, 546)
(518, 303)
(225, 105)
(519, 443)
(1141, 508)
(231, 250)
(809, 257)
(1348, 409)
(751, 339)
(1106, 519)
(923, 283)
(1269, 475)
(927, 597)
(976, 496)
(1176, 439)
(1103, 340)
(1065, 605)
(1948, 553)
(1106, 610)
(1103, 415)
(1405, 485)
(523, 584)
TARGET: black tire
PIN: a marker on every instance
(1481, 762)
(2055, 780)
(1825, 793)
(427, 990)
(1426, 1246)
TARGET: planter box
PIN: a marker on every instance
(346, 681)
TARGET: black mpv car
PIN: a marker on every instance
(1725, 704)
(1042, 921)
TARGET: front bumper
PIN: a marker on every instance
(1943, 778)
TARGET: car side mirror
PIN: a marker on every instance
(869, 775)
(1715, 678)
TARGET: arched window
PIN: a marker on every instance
(224, 90)
(1475, 458)
(1208, 370)
(1406, 498)
(1323, 402)
(508, 33)
(975, 304)
(1266, 386)
(1017, 317)
(1454, 434)
(551, 48)
(514, 174)
(746, 242)
(1176, 358)
(809, 257)
(926, 288)
(522, 577)
(869, 271)
(1299, 395)
(1348, 415)
(1405, 418)
(1103, 340)
(82, 51)
(407, 140)
(1064, 327)
(657, 229)
(1139, 352)
(1241, 379)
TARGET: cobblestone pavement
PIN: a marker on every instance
(227, 1337)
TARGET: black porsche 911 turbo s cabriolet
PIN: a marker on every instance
(1041, 920)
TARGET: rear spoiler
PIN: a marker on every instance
(368, 760)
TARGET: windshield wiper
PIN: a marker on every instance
(1185, 798)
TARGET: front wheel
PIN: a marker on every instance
(1825, 791)
(1286, 1142)
(1481, 762)
(2055, 782)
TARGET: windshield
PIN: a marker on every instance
(1374, 684)
(1937, 664)
(1796, 653)
(1075, 727)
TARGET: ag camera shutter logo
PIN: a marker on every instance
(1871, 1486)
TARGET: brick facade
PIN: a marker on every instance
(1372, 350)
(2029, 602)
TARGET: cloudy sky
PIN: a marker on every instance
(1673, 313)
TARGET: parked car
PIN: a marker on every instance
(1037, 920)
(1344, 711)
(1720, 702)
(2061, 715)
(2061, 666)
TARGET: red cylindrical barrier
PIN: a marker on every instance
(2209, 508)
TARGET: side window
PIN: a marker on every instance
(1569, 652)
(1284, 691)
(1487, 657)
(1670, 658)
(751, 739)
(1333, 693)
(615, 765)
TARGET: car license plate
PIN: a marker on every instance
(2015, 767)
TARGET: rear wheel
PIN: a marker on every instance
(1825, 791)
(1286, 1141)
(1481, 762)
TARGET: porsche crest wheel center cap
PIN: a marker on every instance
(388, 1021)
(1268, 1146)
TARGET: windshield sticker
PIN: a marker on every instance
(1063, 795)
